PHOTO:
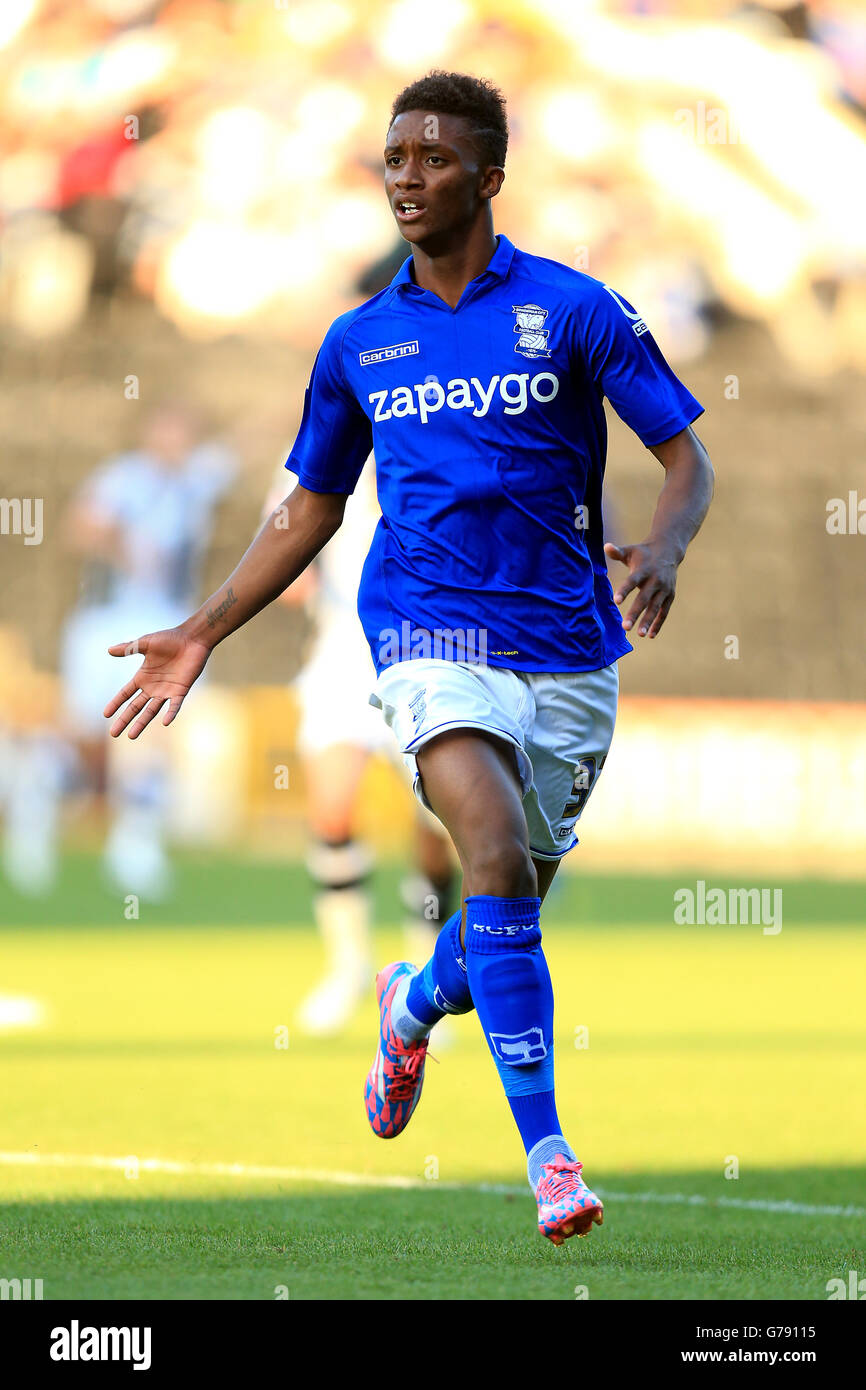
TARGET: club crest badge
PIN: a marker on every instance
(519, 1048)
(533, 335)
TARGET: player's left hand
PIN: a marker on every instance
(653, 572)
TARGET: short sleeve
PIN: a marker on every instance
(335, 437)
(624, 360)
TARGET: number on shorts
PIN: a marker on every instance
(585, 773)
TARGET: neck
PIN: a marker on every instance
(446, 269)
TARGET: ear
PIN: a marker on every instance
(494, 177)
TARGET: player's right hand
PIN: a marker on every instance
(172, 663)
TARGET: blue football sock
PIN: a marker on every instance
(511, 989)
(440, 988)
(535, 1117)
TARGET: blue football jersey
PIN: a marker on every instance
(488, 427)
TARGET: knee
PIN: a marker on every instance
(502, 868)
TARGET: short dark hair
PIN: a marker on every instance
(459, 94)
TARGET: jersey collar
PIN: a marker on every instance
(498, 266)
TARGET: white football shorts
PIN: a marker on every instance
(560, 726)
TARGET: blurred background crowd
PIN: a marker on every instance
(223, 160)
(191, 191)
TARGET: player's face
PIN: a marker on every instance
(168, 436)
(434, 179)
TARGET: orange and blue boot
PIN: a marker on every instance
(393, 1086)
(566, 1206)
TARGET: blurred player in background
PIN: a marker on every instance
(34, 759)
(140, 525)
(338, 733)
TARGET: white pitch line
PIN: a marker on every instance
(740, 1203)
(272, 1172)
(208, 1170)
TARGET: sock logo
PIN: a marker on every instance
(509, 930)
(519, 1048)
(442, 1003)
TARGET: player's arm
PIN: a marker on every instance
(682, 505)
(299, 594)
(290, 539)
(92, 523)
(174, 659)
(616, 350)
(89, 534)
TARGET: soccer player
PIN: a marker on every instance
(478, 375)
(140, 525)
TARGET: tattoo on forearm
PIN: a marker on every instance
(214, 614)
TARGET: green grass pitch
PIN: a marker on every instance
(683, 1053)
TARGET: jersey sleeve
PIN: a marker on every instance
(335, 436)
(625, 362)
